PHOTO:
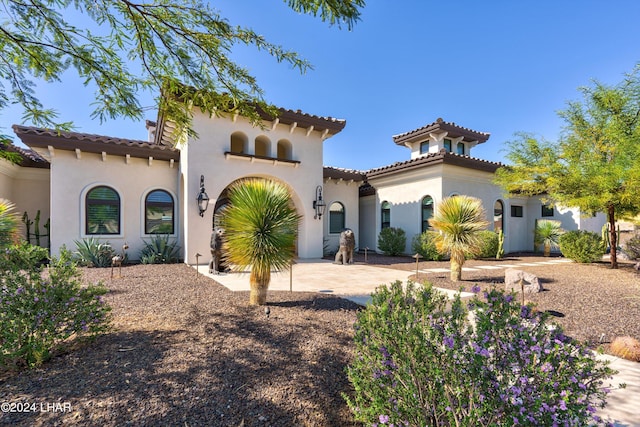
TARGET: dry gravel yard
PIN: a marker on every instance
(189, 352)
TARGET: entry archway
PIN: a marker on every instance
(223, 200)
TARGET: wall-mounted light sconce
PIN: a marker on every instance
(203, 198)
(318, 203)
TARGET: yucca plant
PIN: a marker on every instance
(261, 226)
(547, 233)
(9, 223)
(159, 250)
(459, 220)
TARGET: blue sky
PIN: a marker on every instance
(495, 66)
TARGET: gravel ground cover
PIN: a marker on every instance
(186, 351)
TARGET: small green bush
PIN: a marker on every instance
(92, 252)
(159, 250)
(581, 246)
(489, 244)
(632, 247)
(425, 245)
(421, 361)
(40, 312)
(23, 256)
(392, 241)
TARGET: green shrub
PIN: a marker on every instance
(392, 241)
(41, 312)
(425, 245)
(23, 256)
(632, 247)
(92, 252)
(421, 361)
(159, 250)
(581, 246)
(489, 243)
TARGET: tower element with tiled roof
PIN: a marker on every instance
(440, 135)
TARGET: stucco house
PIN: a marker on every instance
(123, 190)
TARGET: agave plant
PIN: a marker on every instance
(159, 250)
(547, 233)
(261, 226)
(459, 220)
(9, 223)
(94, 253)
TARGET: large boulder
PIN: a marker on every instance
(515, 279)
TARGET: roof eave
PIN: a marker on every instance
(434, 159)
(70, 142)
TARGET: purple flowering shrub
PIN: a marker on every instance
(41, 309)
(424, 360)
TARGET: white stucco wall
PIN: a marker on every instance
(205, 156)
(74, 177)
(404, 191)
(28, 189)
(346, 193)
(367, 222)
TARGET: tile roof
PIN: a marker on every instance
(306, 120)
(42, 138)
(440, 125)
(29, 158)
(432, 159)
(341, 173)
(331, 125)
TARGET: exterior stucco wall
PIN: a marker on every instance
(367, 222)
(518, 231)
(74, 177)
(28, 189)
(347, 194)
(404, 191)
(593, 223)
(205, 156)
(7, 174)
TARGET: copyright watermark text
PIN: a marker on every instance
(35, 407)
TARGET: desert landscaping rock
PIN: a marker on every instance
(521, 281)
(186, 351)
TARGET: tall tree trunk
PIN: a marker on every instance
(456, 269)
(611, 211)
(259, 286)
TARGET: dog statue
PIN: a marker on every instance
(217, 265)
(347, 246)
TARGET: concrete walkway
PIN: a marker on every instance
(356, 282)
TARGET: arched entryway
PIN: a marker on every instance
(223, 200)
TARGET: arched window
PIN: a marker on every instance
(284, 150)
(427, 212)
(102, 211)
(460, 148)
(263, 146)
(336, 217)
(385, 214)
(158, 213)
(498, 216)
(239, 142)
